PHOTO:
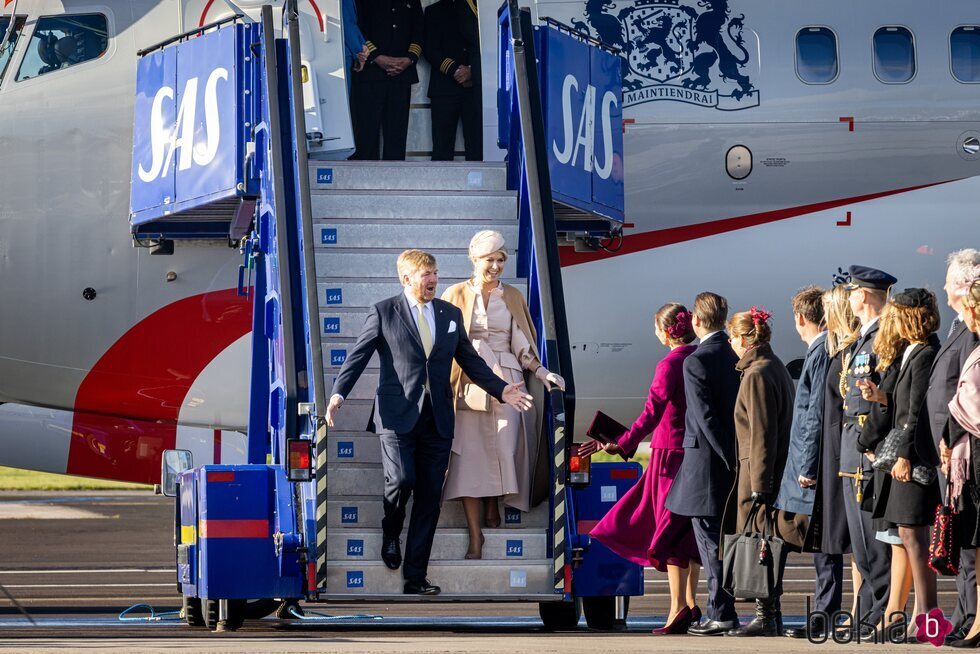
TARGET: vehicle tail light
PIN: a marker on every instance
(579, 468)
(299, 459)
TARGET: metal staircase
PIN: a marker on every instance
(364, 215)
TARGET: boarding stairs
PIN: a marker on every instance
(364, 215)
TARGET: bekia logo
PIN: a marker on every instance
(932, 627)
(690, 51)
(584, 137)
(180, 139)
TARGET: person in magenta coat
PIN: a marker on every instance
(639, 527)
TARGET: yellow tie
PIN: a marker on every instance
(424, 332)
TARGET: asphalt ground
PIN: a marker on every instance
(73, 561)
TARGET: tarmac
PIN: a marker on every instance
(71, 562)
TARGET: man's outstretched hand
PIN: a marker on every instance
(332, 407)
(517, 397)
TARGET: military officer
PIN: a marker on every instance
(452, 47)
(868, 294)
(381, 92)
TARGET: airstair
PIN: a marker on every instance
(302, 519)
(363, 217)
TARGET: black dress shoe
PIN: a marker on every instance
(421, 588)
(391, 552)
(956, 634)
(712, 627)
(816, 632)
(759, 626)
(966, 642)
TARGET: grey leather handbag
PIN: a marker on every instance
(886, 454)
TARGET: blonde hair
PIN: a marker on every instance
(756, 331)
(843, 326)
(901, 325)
(411, 260)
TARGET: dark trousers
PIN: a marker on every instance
(379, 108)
(414, 464)
(872, 557)
(707, 533)
(447, 111)
(829, 589)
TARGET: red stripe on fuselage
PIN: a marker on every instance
(126, 408)
(662, 237)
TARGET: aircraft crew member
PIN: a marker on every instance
(382, 91)
(868, 294)
(452, 47)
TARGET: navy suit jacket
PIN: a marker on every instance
(943, 379)
(391, 332)
(707, 471)
(806, 431)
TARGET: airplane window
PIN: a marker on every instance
(816, 55)
(894, 51)
(63, 41)
(8, 48)
(964, 48)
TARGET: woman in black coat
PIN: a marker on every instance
(906, 345)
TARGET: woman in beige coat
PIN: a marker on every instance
(495, 448)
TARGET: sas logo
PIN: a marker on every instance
(355, 547)
(515, 548)
(690, 51)
(324, 175)
(512, 516)
(337, 357)
(345, 449)
(579, 131)
(335, 296)
(165, 143)
(355, 579)
(518, 579)
(328, 236)
(348, 515)
(331, 325)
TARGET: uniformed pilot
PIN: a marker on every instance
(382, 91)
(452, 48)
(868, 294)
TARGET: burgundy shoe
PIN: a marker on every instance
(679, 625)
(696, 614)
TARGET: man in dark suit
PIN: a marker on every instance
(945, 431)
(868, 294)
(797, 490)
(452, 47)
(707, 471)
(382, 91)
(417, 338)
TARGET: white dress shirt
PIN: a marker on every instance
(413, 304)
(709, 335)
(865, 328)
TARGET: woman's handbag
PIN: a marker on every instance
(944, 547)
(751, 564)
(886, 455)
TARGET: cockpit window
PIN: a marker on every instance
(63, 41)
(816, 55)
(964, 49)
(894, 50)
(7, 49)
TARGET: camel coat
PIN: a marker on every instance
(763, 417)
(468, 393)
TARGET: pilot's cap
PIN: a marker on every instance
(864, 277)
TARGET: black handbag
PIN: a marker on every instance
(944, 546)
(886, 454)
(751, 562)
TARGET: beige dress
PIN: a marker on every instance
(491, 455)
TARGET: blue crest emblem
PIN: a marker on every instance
(690, 51)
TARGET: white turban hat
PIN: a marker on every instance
(486, 243)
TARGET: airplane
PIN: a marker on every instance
(769, 144)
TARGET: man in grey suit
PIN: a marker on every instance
(707, 471)
(943, 379)
(417, 337)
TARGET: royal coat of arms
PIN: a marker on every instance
(689, 51)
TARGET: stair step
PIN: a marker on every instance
(365, 388)
(423, 234)
(454, 577)
(355, 415)
(344, 262)
(335, 353)
(434, 176)
(353, 546)
(365, 512)
(364, 292)
(455, 205)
